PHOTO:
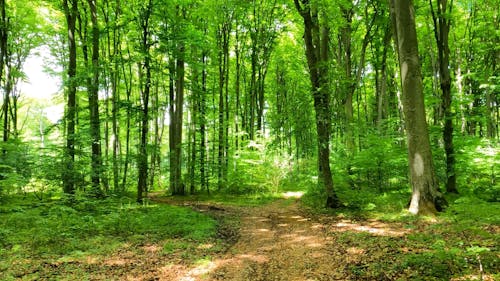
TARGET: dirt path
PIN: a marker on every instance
(278, 243)
(275, 242)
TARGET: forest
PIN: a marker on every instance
(249, 140)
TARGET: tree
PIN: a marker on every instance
(442, 22)
(93, 92)
(425, 197)
(145, 82)
(71, 14)
(223, 41)
(316, 38)
(4, 37)
(176, 92)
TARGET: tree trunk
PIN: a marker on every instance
(176, 115)
(4, 33)
(71, 12)
(145, 90)
(382, 83)
(222, 76)
(237, 88)
(441, 30)
(425, 197)
(115, 109)
(128, 86)
(316, 42)
(203, 121)
(95, 132)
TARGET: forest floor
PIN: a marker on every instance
(281, 239)
(277, 241)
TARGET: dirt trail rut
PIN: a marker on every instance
(279, 242)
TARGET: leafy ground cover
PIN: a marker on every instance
(273, 237)
(459, 244)
(85, 238)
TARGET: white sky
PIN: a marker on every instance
(41, 85)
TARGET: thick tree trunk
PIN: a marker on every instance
(4, 33)
(425, 197)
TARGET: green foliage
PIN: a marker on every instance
(477, 168)
(56, 230)
(451, 246)
(15, 166)
(382, 164)
(256, 170)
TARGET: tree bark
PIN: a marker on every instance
(4, 36)
(203, 108)
(176, 116)
(441, 31)
(425, 198)
(71, 12)
(95, 131)
(316, 40)
(145, 90)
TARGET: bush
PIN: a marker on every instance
(15, 167)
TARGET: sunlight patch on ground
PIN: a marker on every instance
(205, 246)
(355, 251)
(255, 258)
(204, 267)
(151, 248)
(372, 227)
(485, 277)
(317, 226)
(293, 194)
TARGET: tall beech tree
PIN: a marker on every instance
(442, 22)
(425, 195)
(145, 85)
(316, 38)
(93, 92)
(71, 14)
(4, 37)
(176, 99)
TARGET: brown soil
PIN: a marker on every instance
(275, 242)
(278, 242)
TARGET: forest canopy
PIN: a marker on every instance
(252, 97)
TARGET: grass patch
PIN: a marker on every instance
(33, 233)
(455, 244)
